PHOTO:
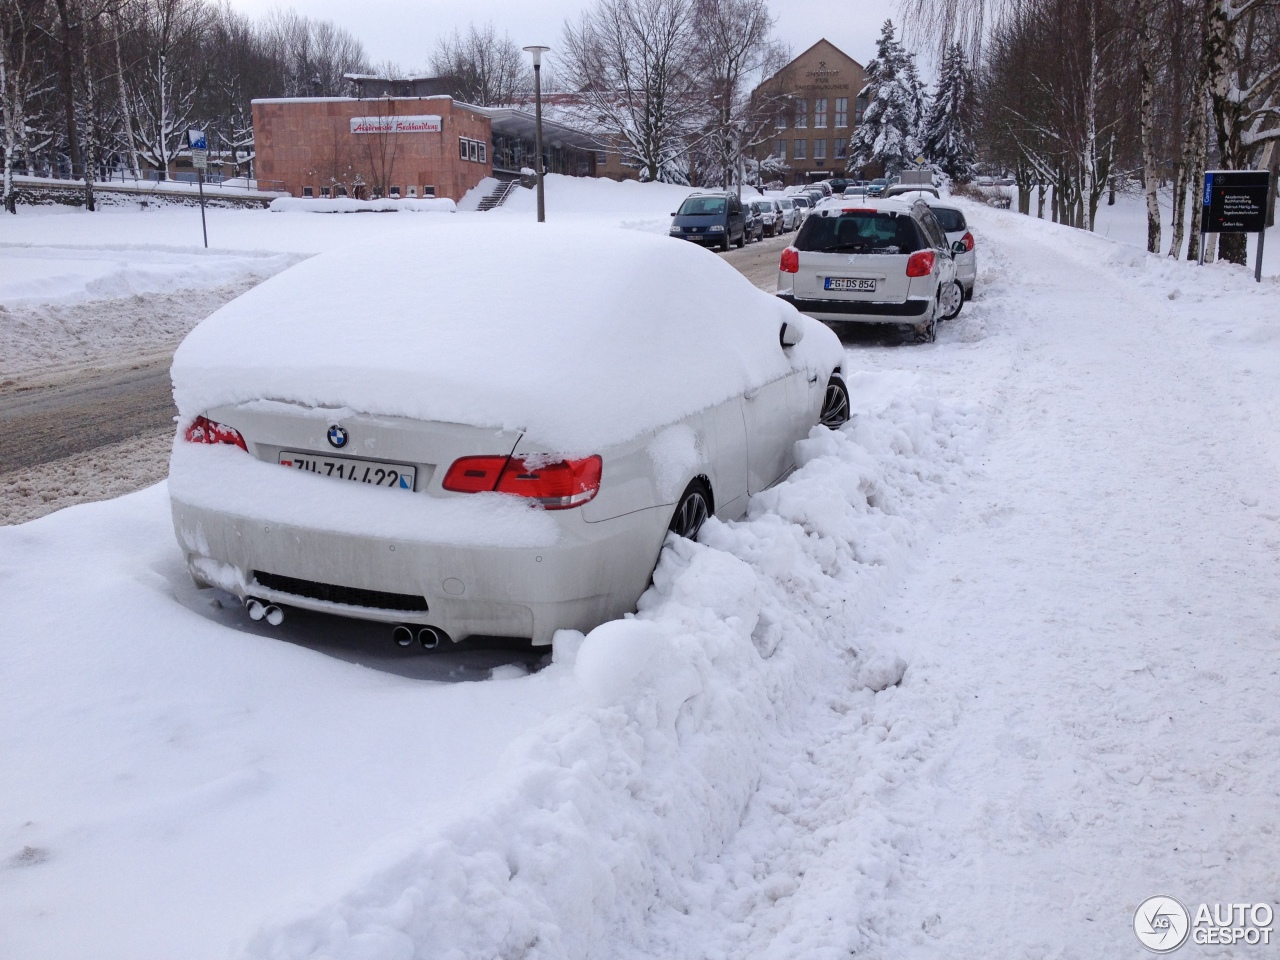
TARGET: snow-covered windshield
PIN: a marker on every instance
(859, 232)
(952, 220)
(702, 207)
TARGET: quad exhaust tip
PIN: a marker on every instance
(430, 637)
(264, 611)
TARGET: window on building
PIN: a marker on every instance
(842, 149)
(484, 152)
(377, 192)
(395, 192)
(802, 113)
(413, 191)
(780, 149)
(842, 112)
(324, 191)
(860, 108)
(602, 157)
(308, 192)
(428, 191)
(780, 121)
(800, 150)
(462, 148)
(341, 191)
(820, 113)
(473, 150)
(819, 149)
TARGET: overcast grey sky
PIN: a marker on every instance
(404, 30)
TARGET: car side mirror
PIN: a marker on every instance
(791, 334)
(958, 248)
(673, 213)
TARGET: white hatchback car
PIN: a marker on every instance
(963, 246)
(484, 431)
(881, 261)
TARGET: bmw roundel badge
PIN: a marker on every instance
(337, 436)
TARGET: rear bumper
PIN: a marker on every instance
(468, 565)
(907, 311)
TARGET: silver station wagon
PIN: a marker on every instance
(872, 261)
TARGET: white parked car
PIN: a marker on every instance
(881, 261)
(963, 246)
(484, 431)
(789, 214)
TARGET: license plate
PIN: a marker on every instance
(396, 475)
(856, 284)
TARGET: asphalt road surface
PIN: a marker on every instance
(79, 411)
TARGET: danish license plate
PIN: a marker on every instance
(396, 475)
(855, 284)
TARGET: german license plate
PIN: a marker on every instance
(396, 475)
(855, 284)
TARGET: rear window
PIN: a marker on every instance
(952, 220)
(701, 206)
(860, 232)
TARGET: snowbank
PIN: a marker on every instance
(549, 329)
(245, 783)
(48, 274)
(604, 808)
(351, 205)
(626, 203)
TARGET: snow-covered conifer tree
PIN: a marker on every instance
(890, 130)
(948, 141)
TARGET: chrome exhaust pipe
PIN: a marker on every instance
(402, 635)
(255, 609)
(430, 637)
(274, 615)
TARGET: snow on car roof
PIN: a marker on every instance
(580, 336)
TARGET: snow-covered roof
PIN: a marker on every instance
(582, 336)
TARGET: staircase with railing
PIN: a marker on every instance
(498, 195)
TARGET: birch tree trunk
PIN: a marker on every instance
(10, 126)
(1147, 119)
(126, 115)
(1196, 144)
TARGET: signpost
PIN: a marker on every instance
(200, 160)
(1235, 201)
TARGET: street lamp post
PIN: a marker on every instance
(537, 127)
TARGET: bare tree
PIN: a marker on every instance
(633, 67)
(486, 69)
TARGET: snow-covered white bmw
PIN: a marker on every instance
(872, 261)
(480, 431)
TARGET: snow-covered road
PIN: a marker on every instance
(1088, 717)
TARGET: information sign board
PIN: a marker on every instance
(1235, 201)
(199, 149)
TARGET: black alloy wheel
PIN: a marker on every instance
(835, 404)
(692, 511)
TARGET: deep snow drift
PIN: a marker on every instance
(560, 342)
(239, 782)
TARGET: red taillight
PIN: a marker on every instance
(204, 430)
(967, 240)
(920, 264)
(474, 474)
(790, 261)
(557, 485)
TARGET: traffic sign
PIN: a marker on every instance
(199, 149)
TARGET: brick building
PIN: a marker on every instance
(403, 146)
(817, 107)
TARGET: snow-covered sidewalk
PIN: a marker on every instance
(1088, 715)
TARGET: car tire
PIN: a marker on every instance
(835, 404)
(692, 510)
(724, 244)
(742, 241)
(957, 293)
